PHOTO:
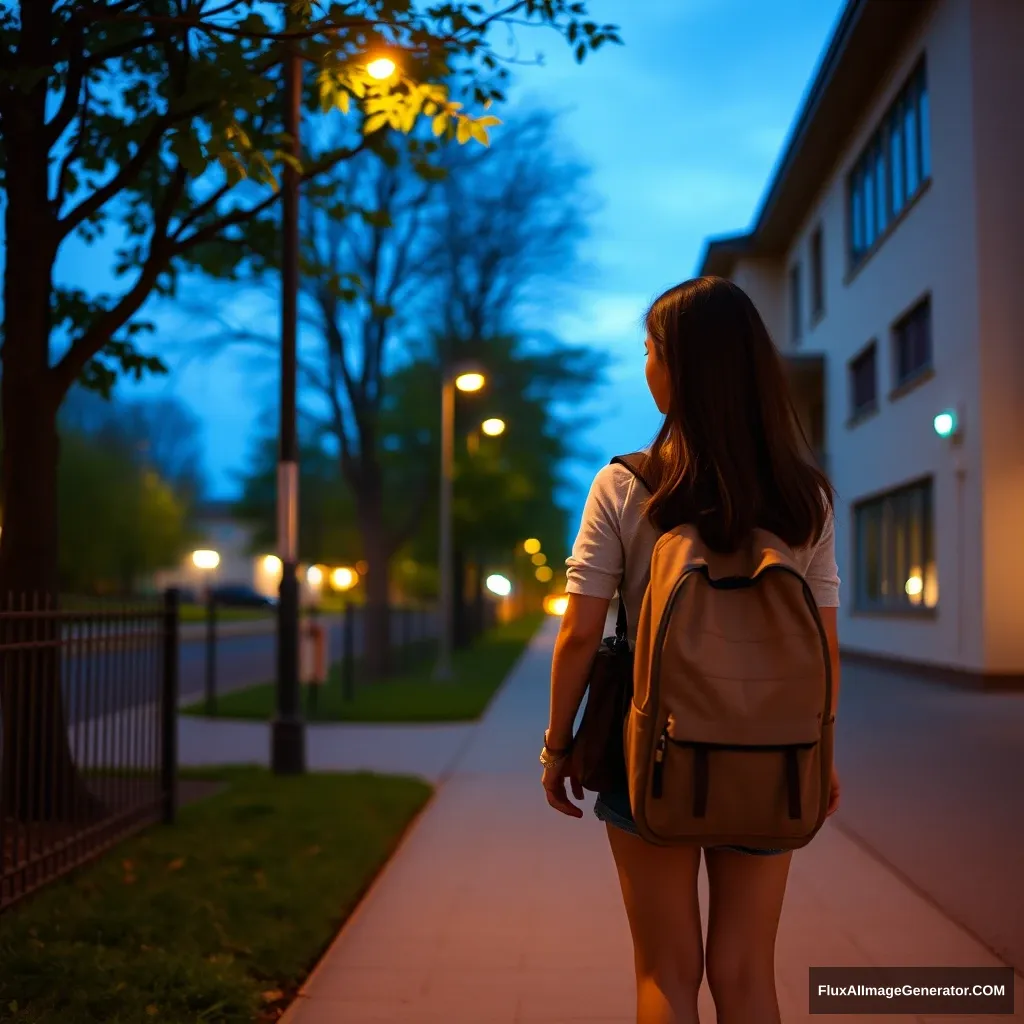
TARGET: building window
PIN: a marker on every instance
(795, 305)
(893, 167)
(895, 557)
(817, 275)
(912, 344)
(864, 382)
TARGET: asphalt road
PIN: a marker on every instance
(932, 783)
(101, 682)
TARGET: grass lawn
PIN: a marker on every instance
(413, 696)
(217, 919)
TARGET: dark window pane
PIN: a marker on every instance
(926, 136)
(817, 273)
(795, 303)
(869, 210)
(863, 381)
(896, 160)
(881, 202)
(856, 216)
(913, 343)
(913, 153)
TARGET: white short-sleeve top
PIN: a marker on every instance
(615, 532)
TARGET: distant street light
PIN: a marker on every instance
(539, 559)
(544, 574)
(499, 585)
(272, 565)
(467, 381)
(205, 560)
(531, 546)
(314, 576)
(493, 427)
(556, 604)
(344, 578)
(381, 68)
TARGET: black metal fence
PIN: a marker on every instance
(88, 702)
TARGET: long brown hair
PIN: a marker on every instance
(731, 454)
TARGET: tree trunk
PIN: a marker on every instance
(462, 627)
(376, 551)
(38, 778)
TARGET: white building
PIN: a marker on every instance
(887, 259)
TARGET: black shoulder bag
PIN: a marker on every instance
(598, 760)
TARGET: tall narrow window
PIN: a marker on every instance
(881, 201)
(795, 305)
(910, 137)
(912, 343)
(926, 131)
(817, 275)
(864, 382)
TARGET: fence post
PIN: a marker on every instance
(169, 709)
(347, 652)
(211, 654)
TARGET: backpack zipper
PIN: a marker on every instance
(659, 763)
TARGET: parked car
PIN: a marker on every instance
(240, 595)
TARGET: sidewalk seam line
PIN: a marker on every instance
(859, 841)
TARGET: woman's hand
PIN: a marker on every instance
(833, 793)
(553, 781)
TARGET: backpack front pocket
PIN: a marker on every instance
(700, 788)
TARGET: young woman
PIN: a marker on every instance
(728, 458)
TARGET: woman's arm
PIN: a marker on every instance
(578, 639)
(829, 619)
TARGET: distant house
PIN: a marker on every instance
(219, 531)
(887, 259)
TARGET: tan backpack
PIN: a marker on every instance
(728, 740)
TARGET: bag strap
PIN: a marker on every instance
(634, 462)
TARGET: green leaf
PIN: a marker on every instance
(185, 146)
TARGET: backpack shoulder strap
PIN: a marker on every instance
(635, 463)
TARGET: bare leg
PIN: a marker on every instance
(746, 894)
(659, 887)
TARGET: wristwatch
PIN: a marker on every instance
(549, 758)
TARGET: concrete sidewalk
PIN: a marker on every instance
(497, 910)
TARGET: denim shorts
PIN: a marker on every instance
(614, 808)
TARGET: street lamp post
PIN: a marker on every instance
(288, 741)
(464, 381)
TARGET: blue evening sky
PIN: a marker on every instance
(682, 127)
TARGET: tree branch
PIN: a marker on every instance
(73, 86)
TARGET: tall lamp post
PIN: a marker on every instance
(467, 380)
(288, 740)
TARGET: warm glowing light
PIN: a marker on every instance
(945, 423)
(315, 576)
(469, 381)
(271, 565)
(493, 427)
(205, 559)
(344, 578)
(531, 546)
(498, 584)
(556, 604)
(381, 68)
(540, 559)
(914, 588)
(544, 574)
(362, 568)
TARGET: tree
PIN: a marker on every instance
(157, 121)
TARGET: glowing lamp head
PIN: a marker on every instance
(272, 565)
(531, 546)
(556, 604)
(499, 585)
(469, 381)
(493, 427)
(315, 576)
(205, 559)
(945, 423)
(914, 586)
(344, 578)
(381, 68)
